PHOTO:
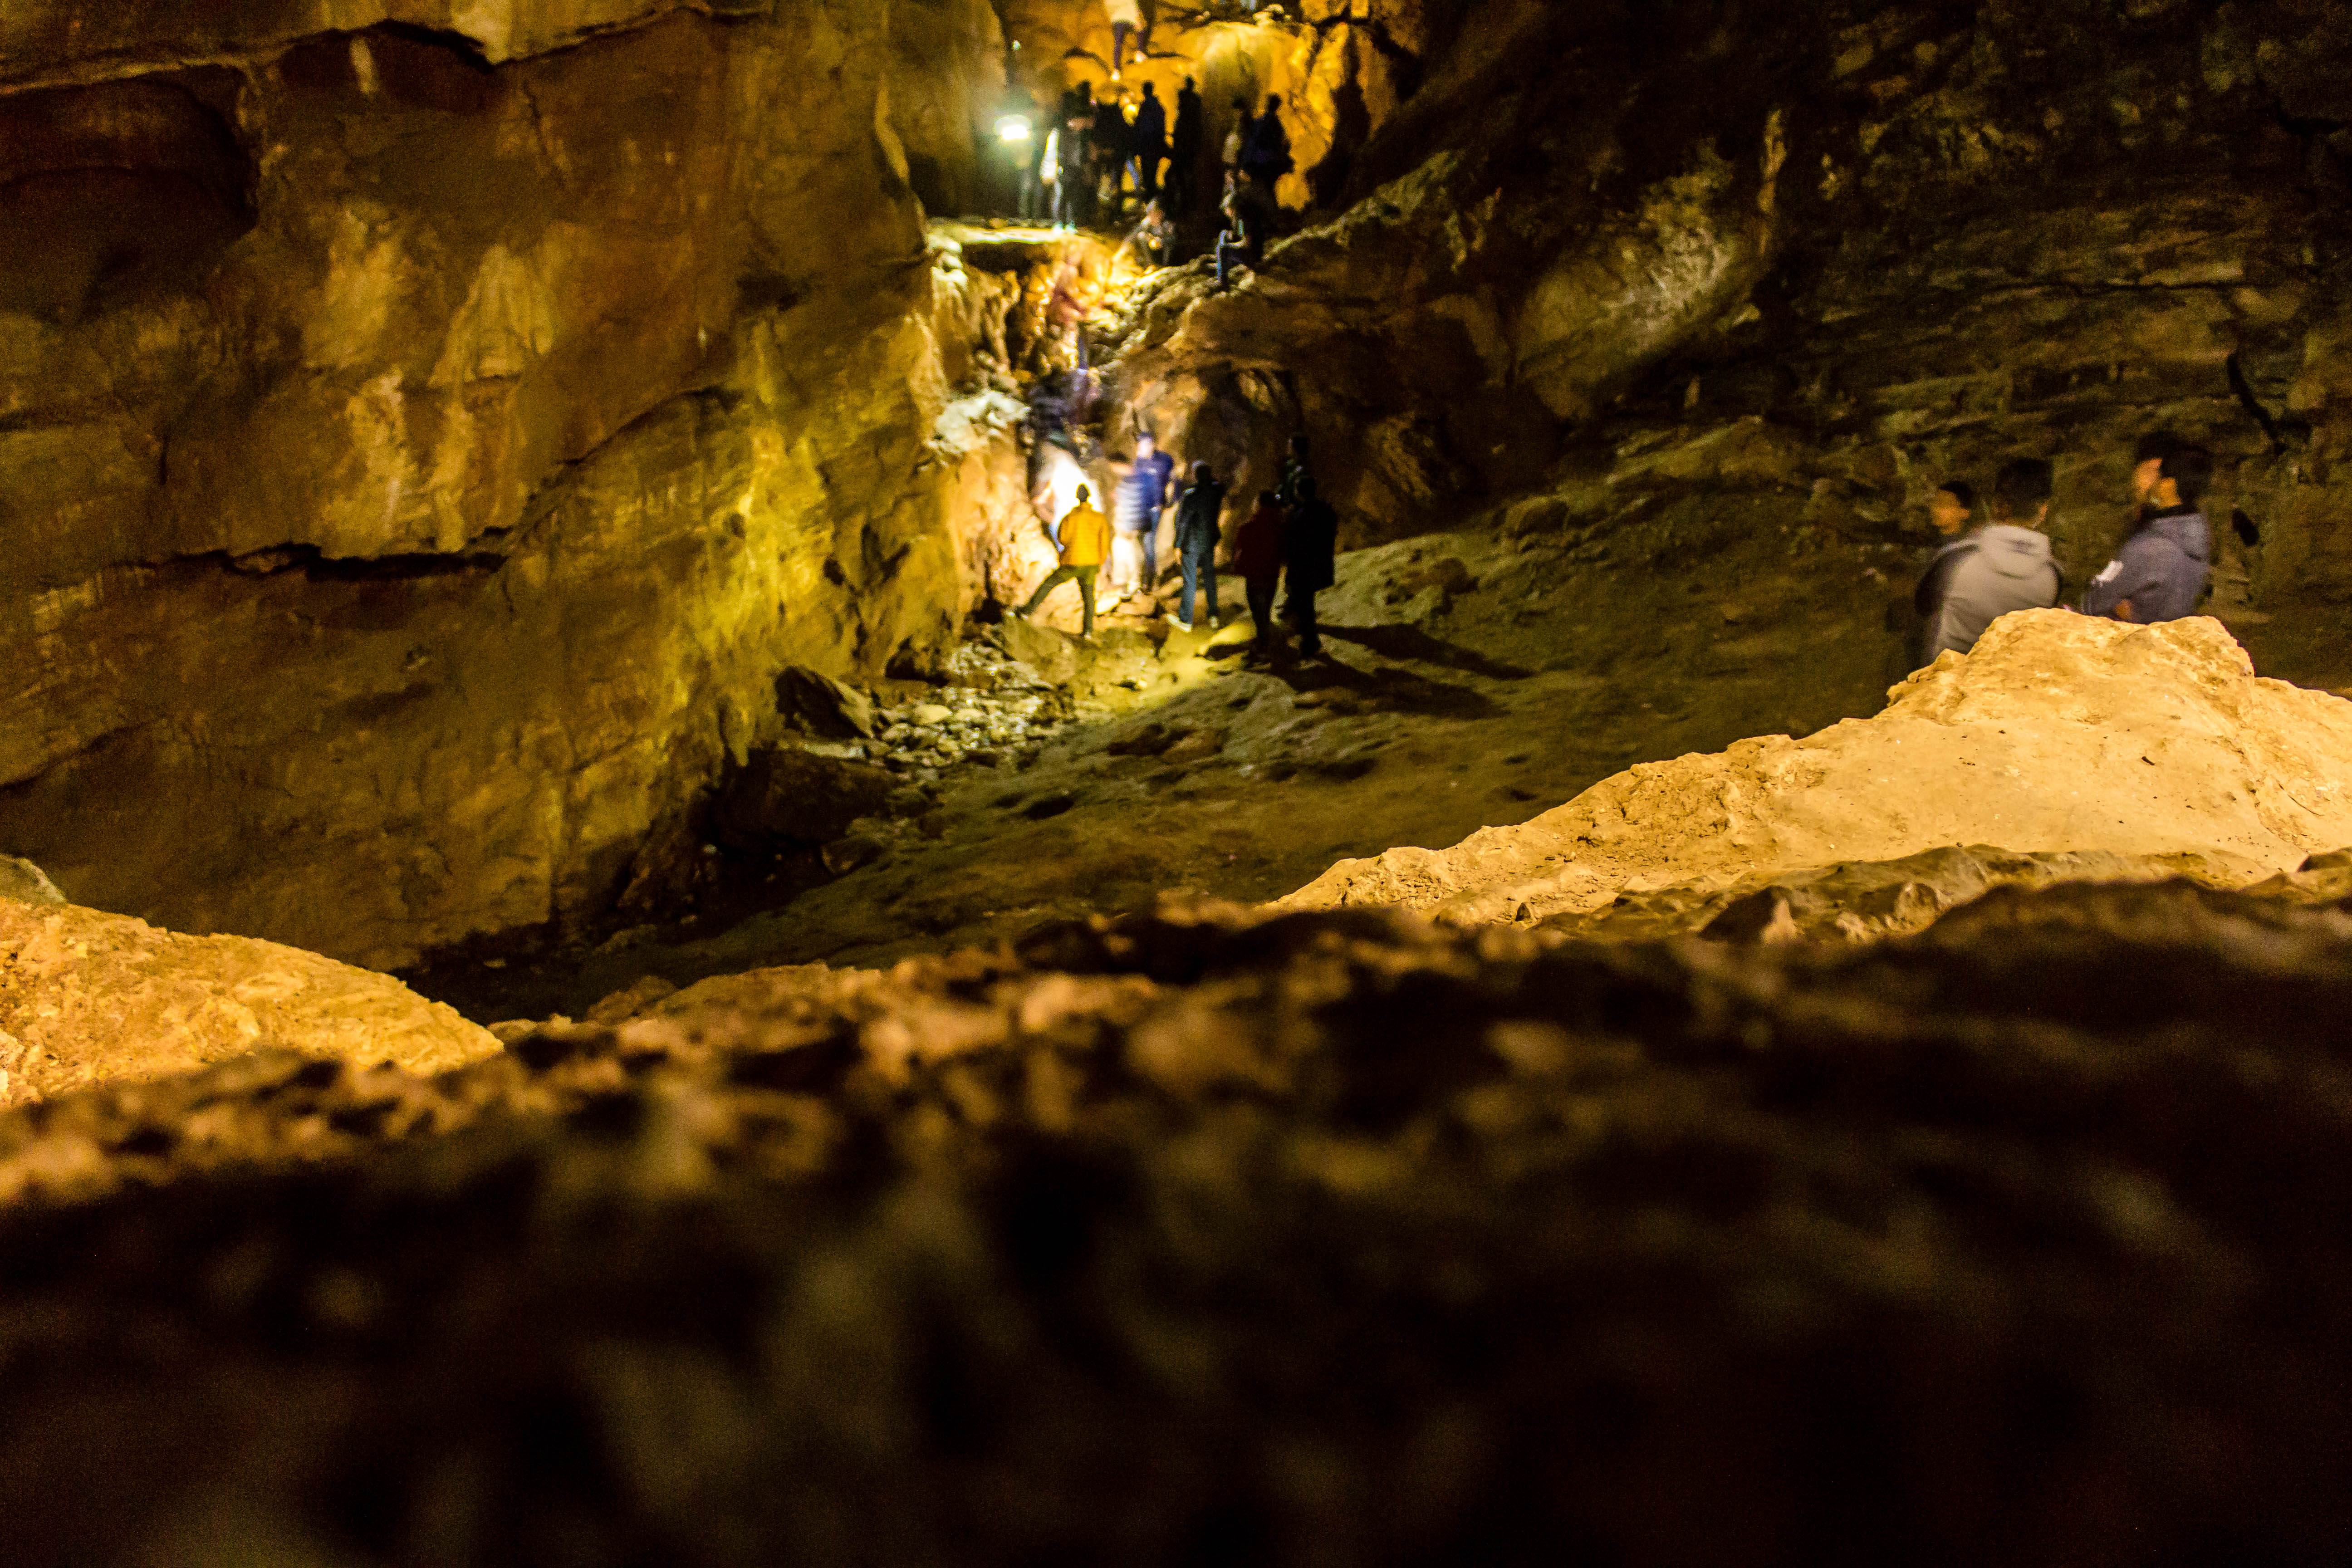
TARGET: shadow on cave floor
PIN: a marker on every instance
(1411, 644)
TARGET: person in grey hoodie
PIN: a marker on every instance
(1990, 571)
(2160, 571)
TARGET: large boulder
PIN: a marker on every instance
(2059, 733)
(88, 997)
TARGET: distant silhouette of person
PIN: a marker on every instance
(1078, 153)
(1237, 138)
(1184, 150)
(1991, 571)
(1198, 517)
(1150, 140)
(1266, 154)
(2162, 569)
(1310, 547)
(1249, 220)
(1113, 137)
(1085, 541)
(1257, 556)
(1294, 471)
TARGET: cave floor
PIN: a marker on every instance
(1470, 679)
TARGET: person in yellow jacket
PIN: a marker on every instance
(1085, 542)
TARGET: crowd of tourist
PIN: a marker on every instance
(1289, 540)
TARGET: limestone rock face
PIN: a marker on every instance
(421, 445)
(88, 997)
(2058, 733)
(1902, 244)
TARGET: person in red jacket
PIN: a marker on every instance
(1257, 556)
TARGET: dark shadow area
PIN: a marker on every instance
(1410, 643)
(113, 193)
(1400, 689)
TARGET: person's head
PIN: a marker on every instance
(1202, 473)
(1188, 85)
(1267, 498)
(2147, 466)
(1085, 495)
(1273, 101)
(1950, 507)
(2187, 473)
(2021, 494)
(1241, 105)
(1307, 489)
(1149, 91)
(1299, 445)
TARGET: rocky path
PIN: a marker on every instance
(1472, 679)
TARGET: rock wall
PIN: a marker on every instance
(1825, 261)
(426, 430)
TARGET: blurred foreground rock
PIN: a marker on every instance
(86, 997)
(1337, 1239)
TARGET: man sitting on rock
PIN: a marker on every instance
(2162, 571)
(1085, 540)
(1988, 572)
(1196, 540)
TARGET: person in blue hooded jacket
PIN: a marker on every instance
(2160, 571)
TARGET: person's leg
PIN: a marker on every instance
(1259, 592)
(1208, 569)
(1310, 640)
(1150, 541)
(1191, 579)
(1059, 575)
(1118, 31)
(1086, 576)
(1224, 251)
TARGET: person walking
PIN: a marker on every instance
(1257, 556)
(2162, 571)
(1150, 140)
(1146, 485)
(1310, 545)
(1991, 571)
(1126, 23)
(1198, 516)
(1085, 540)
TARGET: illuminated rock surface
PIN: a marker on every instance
(86, 997)
(2059, 733)
(420, 467)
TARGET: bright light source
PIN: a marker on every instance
(1013, 128)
